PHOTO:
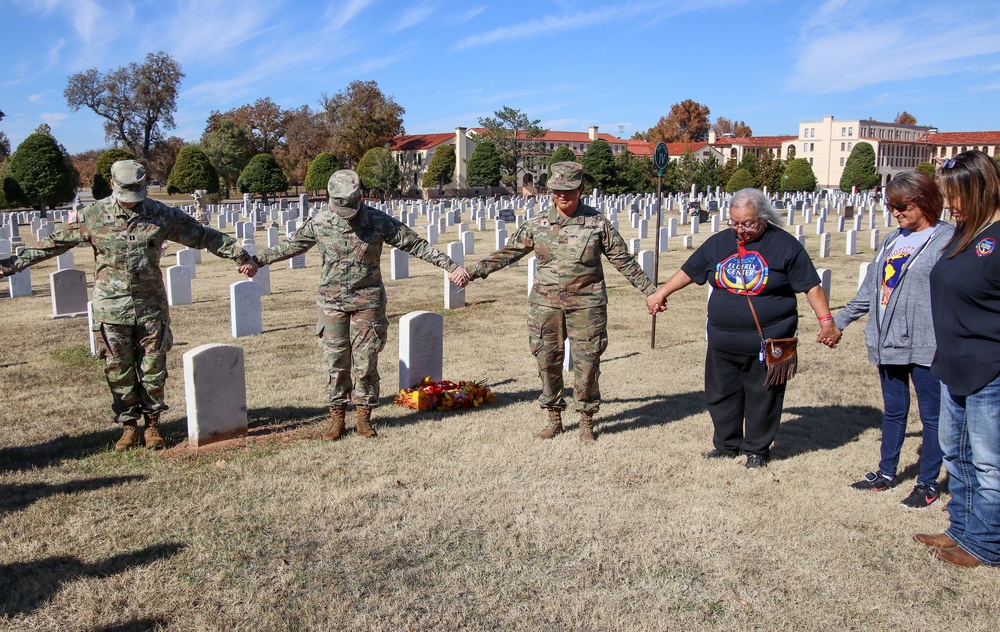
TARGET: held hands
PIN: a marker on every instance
(829, 334)
(249, 269)
(459, 276)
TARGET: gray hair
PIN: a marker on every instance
(755, 199)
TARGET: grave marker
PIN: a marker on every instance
(178, 285)
(421, 348)
(244, 309)
(216, 393)
(68, 289)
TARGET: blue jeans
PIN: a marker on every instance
(896, 398)
(970, 438)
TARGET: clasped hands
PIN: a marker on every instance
(249, 269)
(829, 334)
(460, 276)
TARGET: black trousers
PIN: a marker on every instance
(734, 392)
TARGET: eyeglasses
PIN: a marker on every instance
(948, 164)
(747, 226)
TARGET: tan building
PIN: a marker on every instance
(701, 150)
(738, 147)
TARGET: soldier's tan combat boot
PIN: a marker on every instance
(130, 436)
(363, 421)
(336, 427)
(587, 427)
(151, 435)
(554, 427)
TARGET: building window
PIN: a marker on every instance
(841, 161)
(812, 146)
(812, 133)
(843, 131)
(810, 161)
(842, 145)
(849, 146)
(850, 131)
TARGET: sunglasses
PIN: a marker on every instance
(948, 164)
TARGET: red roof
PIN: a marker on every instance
(755, 141)
(418, 142)
(964, 138)
(565, 137)
(644, 148)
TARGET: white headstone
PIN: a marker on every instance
(432, 234)
(862, 272)
(421, 348)
(399, 264)
(91, 330)
(500, 239)
(532, 269)
(643, 229)
(852, 242)
(68, 289)
(244, 309)
(664, 238)
(20, 283)
(824, 279)
(468, 239)
(634, 245)
(873, 239)
(688, 242)
(297, 262)
(694, 224)
(263, 279)
(178, 285)
(63, 261)
(216, 393)
(646, 259)
(820, 225)
(672, 227)
(186, 258)
(454, 296)
(272, 236)
(824, 245)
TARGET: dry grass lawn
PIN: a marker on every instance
(459, 520)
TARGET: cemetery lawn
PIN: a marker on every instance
(459, 520)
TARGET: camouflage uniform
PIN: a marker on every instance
(569, 297)
(351, 298)
(130, 301)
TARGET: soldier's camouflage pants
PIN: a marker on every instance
(587, 329)
(351, 342)
(135, 366)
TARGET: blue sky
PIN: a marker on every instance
(770, 63)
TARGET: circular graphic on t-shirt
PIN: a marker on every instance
(985, 247)
(742, 275)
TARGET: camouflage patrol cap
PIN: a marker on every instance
(344, 188)
(566, 176)
(129, 179)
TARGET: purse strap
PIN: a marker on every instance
(742, 251)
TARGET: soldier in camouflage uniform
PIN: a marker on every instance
(568, 298)
(126, 231)
(351, 299)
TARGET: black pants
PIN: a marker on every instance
(734, 390)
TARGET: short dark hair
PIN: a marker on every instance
(917, 188)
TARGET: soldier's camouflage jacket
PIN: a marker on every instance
(569, 274)
(350, 252)
(128, 286)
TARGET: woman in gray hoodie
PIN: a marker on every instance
(900, 334)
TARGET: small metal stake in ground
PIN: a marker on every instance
(660, 159)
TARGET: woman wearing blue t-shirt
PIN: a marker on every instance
(965, 303)
(896, 296)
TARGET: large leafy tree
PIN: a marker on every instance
(378, 171)
(163, 156)
(137, 101)
(262, 175)
(905, 118)
(306, 135)
(441, 169)
(598, 165)
(687, 122)
(749, 164)
(769, 172)
(562, 153)
(798, 176)
(85, 163)
(229, 145)
(926, 168)
(860, 169)
(361, 117)
(742, 179)
(43, 171)
(267, 122)
(727, 171)
(687, 171)
(707, 176)
(101, 184)
(192, 171)
(516, 139)
(634, 174)
(320, 169)
(723, 126)
(484, 166)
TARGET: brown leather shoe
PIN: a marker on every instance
(936, 540)
(958, 556)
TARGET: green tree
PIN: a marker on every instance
(101, 185)
(860, 169)
(598, 165)
(43, 171)
(727, 170)
(10, 192)
(562, 153)
(687, 171)
(635, 174)
(483, 168)
(798, 176)
(707, 176)
(320, 169)
(749, 164)
(229, 145)
(926, 168)
(361, 117)
(136, 101)
(441, 169)
(742, 179)
(262, 175)
(378, 171)
(769, 171)
(192, 171)
(516, 139)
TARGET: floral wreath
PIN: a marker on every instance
(444, 395)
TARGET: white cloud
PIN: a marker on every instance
(53, 54)
(35, 98)
(462, 18)
(339, 19)
(52, 118)
(413, 16)
(208, 28)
